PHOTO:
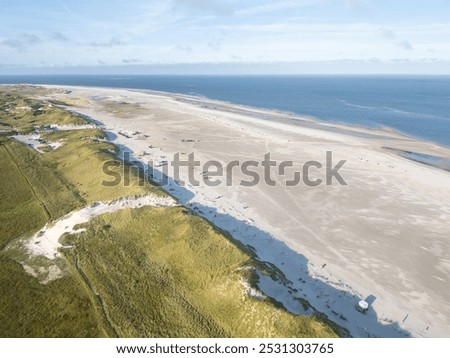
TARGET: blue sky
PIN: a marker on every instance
(227, 36)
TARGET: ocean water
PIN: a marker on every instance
(418, 106)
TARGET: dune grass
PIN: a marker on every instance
(24, 112)
(80, 160)
(61, 308)
(36, 189)
(148, 272)
(28, 194)
(162, 272)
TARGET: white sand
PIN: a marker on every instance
(252, 292)
(72, 127)
(384, 236)
(46, 241)
(31, 140)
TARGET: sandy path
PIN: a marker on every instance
(383, 237)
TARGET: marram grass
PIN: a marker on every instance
(148, 272)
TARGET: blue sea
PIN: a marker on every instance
(418, 106)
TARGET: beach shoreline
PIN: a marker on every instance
(334, 244)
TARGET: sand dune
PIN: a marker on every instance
(46, 241)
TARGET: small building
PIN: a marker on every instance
(363, 306)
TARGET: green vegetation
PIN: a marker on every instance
(20, 112)
(158, 272)
(161, 272)
(30, 194)
(61, 308)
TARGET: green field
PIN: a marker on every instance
(148, 272)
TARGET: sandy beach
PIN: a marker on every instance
(383, 237)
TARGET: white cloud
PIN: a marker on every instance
(388, 34)
(215, 7)
(173, 31)
(21, 42)
(112, 42)
(405, 45)
(184, 48)
(391, 35)
(58, 36)
(270, 7)
(130, 60)
(355, 3)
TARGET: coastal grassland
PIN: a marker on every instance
(17, 198)
(71, 101)
(159, 272)
(162, 272)
(80, 160)
(31, 194)
(18, 112)
(62, 308)
(36, 189)
(32, 189)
